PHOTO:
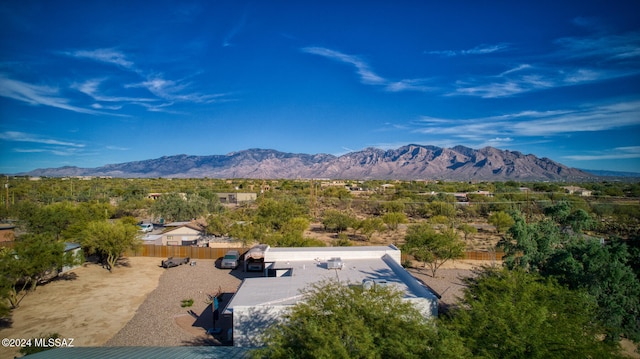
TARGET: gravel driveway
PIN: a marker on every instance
(161, 321)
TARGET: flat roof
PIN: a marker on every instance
(286, 289)
(194, 352)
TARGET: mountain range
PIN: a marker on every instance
(409, 162)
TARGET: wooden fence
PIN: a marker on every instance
(152, 250)
(483, 255)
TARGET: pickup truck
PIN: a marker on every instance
(230, 260)
(174, 262)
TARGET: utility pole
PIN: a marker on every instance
(6, 187)
(312, 198)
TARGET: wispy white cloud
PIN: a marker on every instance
(109, 56)
(526, 78)
(117, 148)
(515, 69)
(92, 88)
(478, 50)
(366, 74)
(234, 31)
(609, 56)
(54, 151)
(536, 123)
(98, 106)
(16, 136)
(166, 90)
(408, 85)
(38, 95)
(176, 91)
(618, 153)
(608, 47)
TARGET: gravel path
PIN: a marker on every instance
(447, 284)
(161, 321)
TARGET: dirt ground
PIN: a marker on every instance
(92, 305)
(88, 304)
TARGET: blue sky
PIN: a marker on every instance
(89, 83)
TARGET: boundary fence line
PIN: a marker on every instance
(153, 250)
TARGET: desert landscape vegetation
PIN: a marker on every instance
(582, 236)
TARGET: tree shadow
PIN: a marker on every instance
(67, 276)
(123, 262)
(6, 322)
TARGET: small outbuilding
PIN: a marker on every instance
(72, 249)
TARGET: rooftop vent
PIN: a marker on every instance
(335, 263)
(371, 283)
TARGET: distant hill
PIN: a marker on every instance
(405, 163)
(618, 174)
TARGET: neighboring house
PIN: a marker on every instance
(484, 193)
(461, 197)
(155, 239)
(156, 196)
(237, 197)
(186, 234)
(76, 250)
(262, 301)
(7, 233)
(342, 184)
(579, 191)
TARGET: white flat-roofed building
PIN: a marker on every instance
(260, 302)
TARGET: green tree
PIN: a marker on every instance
(529, 245)
(514, 314)
(218, 224)
(393, 206)
(35, 259)
(51, 219)
(275, 213)
(7, 285)
(467, 229)
(559, 211)
(433, 248)
(604, 273)
(176, 207)
(501, 220)
(441, 208)
(580, 220)
(338, 221)
(295, 225)
(339, 321)
(394, 219)
(109, 240)
(369, 226)
(248, 232)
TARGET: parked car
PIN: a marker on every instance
(146, 227)
(174, 262)
(230, 260)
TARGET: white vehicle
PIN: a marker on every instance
(146, 227)
(230, 260)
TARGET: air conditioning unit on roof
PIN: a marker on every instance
(335, 263)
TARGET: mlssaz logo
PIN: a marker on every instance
(54, 342)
